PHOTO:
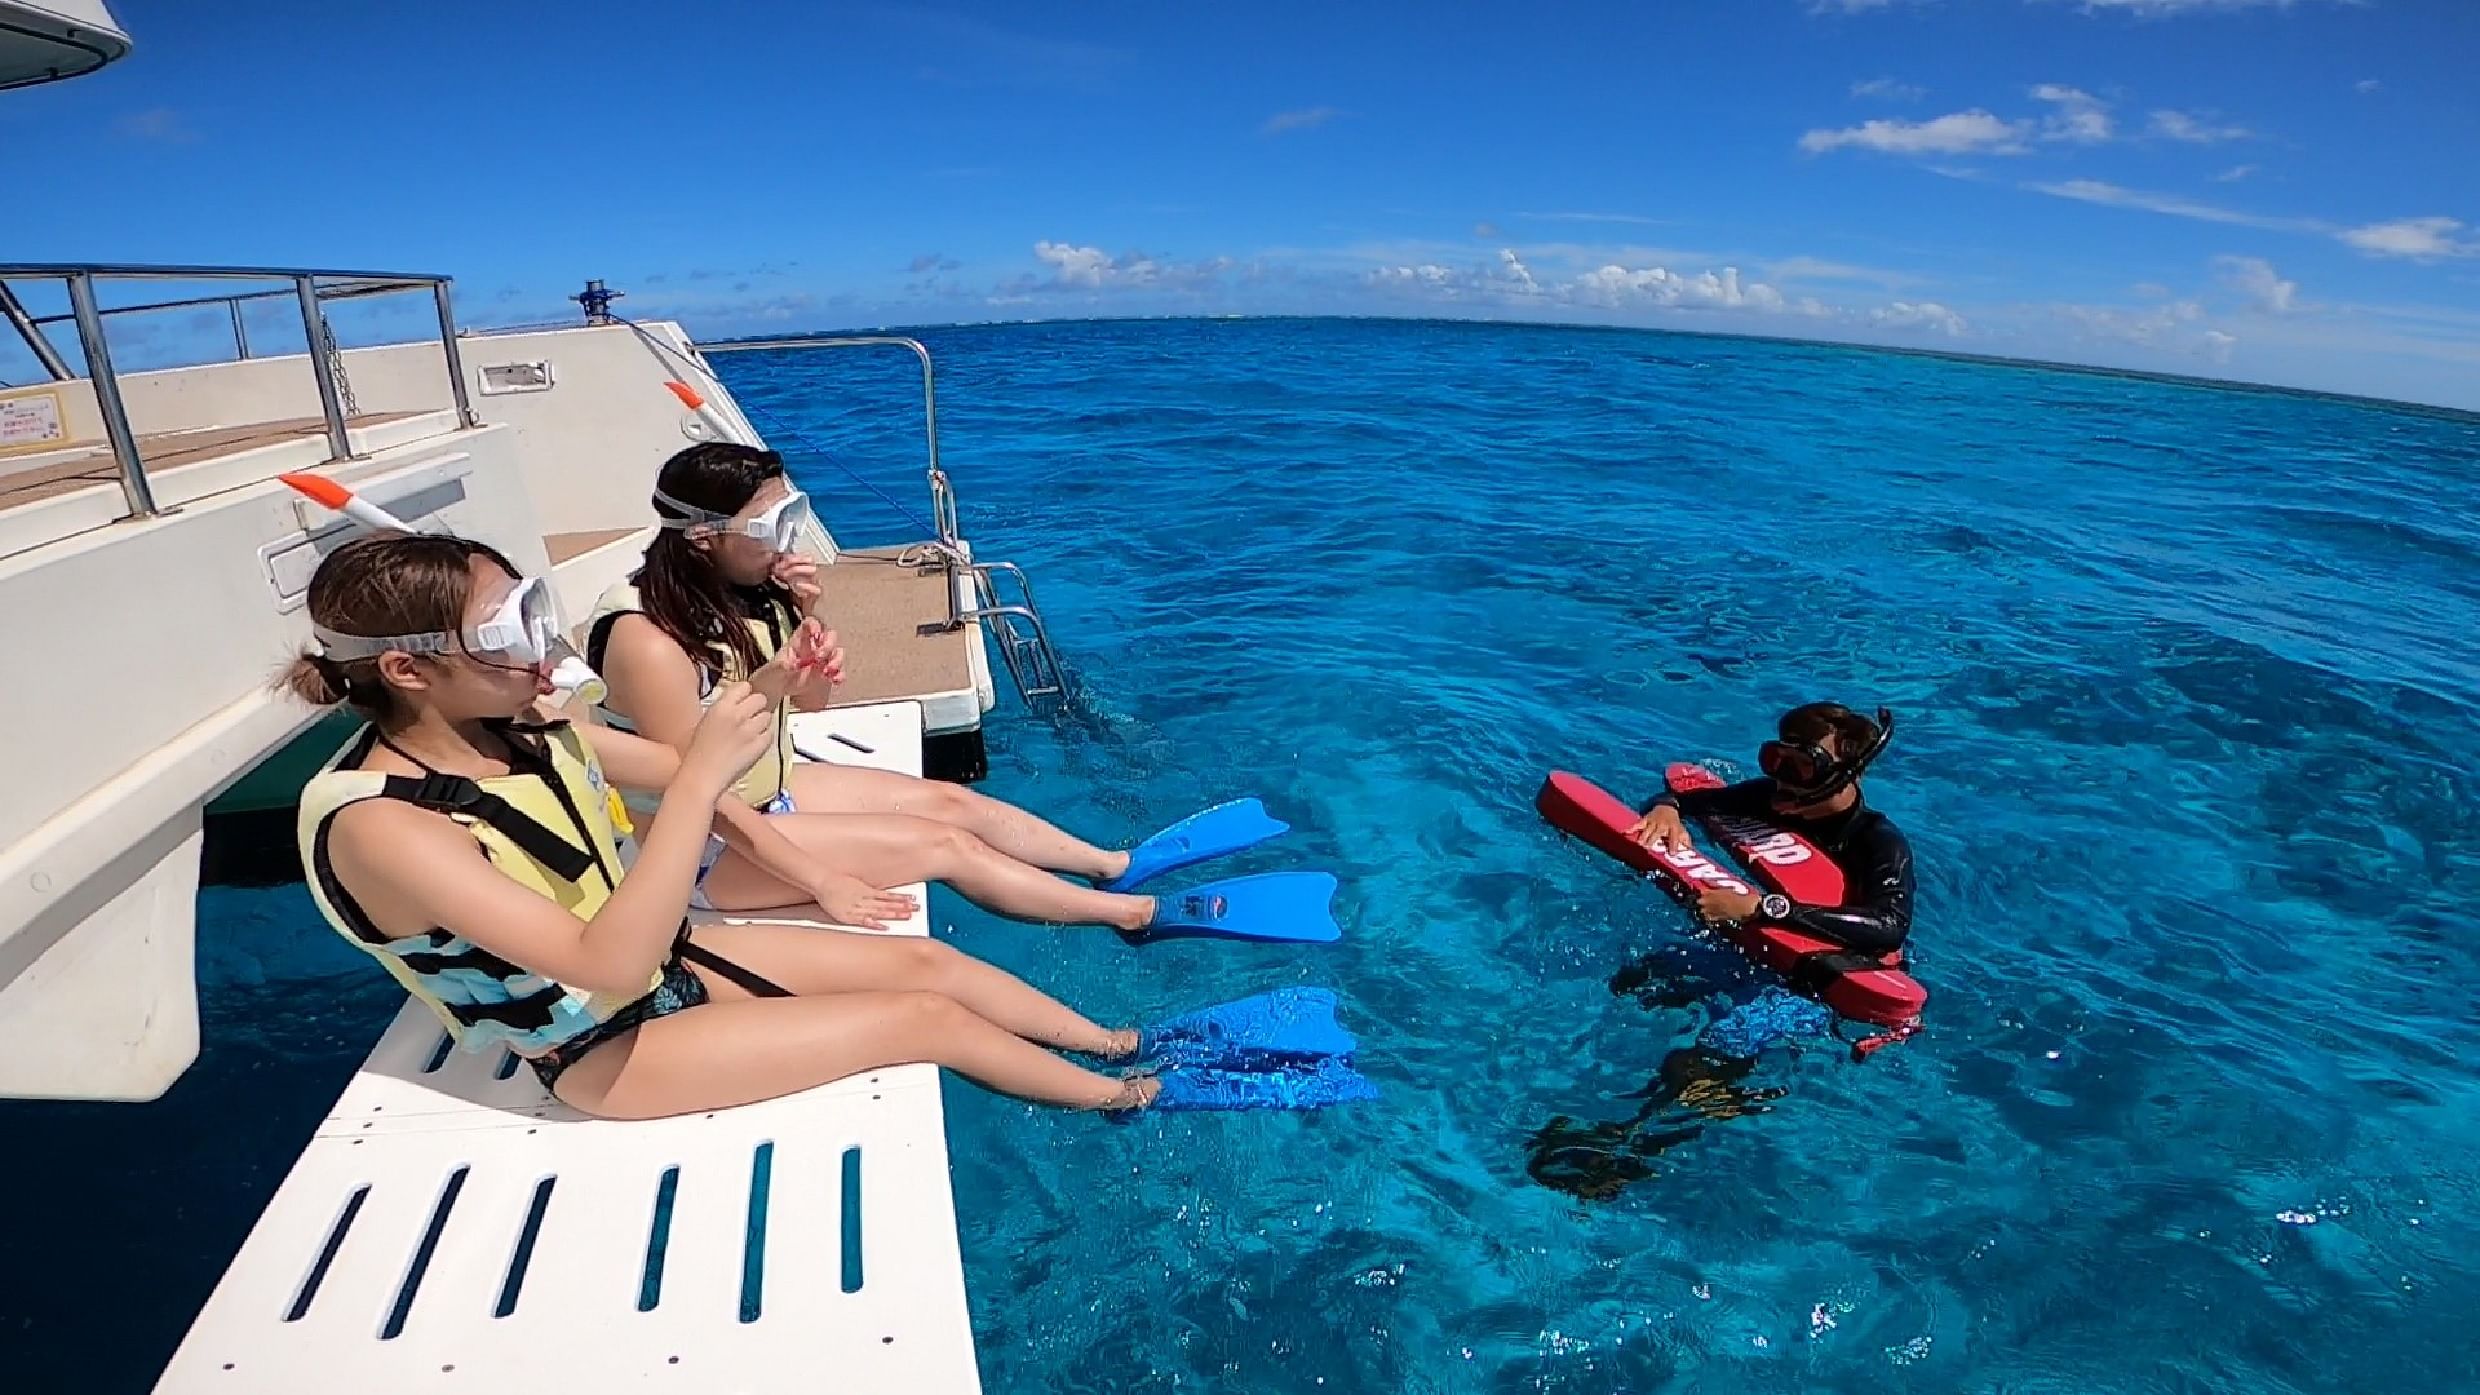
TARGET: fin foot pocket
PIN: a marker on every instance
(1201, 837)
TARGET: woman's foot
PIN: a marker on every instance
(1120, 1045)
(1134, 913)
(1135, 1093)
(1114, 867)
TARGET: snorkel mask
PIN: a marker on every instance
(525, 632)
(1805, 773)
(526, 628)
(778, 526)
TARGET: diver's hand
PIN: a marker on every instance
(1661, 829)
(729, 738)
(797, 572)
(848, 900)
(1716, 906)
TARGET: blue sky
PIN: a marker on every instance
(2276, 190)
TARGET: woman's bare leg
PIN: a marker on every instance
(820, 787)
(892, 849)
(722, 1054)
(809, 961)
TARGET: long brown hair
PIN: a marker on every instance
(379, 585)
(682, 592)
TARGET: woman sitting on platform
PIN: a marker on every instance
(471, 846)
(724, 589)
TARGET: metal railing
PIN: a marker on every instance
(309, 288)
(942, 493)
(1024, 640)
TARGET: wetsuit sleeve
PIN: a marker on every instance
(1749, 798)
(1878, 867)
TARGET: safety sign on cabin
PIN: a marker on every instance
(31, 421)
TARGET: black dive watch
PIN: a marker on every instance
(1774, 906)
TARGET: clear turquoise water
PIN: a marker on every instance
(2188, 756)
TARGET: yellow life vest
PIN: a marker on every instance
(545, 825)
(765, 781)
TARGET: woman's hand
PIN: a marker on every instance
(797, 572)
(794, 664)
(1661, 829)
(848, 900)
(735, 731)
(819, 660)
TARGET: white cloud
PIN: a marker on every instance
(1973, 132)
(2217, 345)
(2115, 196)
(1426, 274)
(1508, 279)
(1304, 119)
(1090, 268)
(1075, 266)
(2234, 174)
(2415, 239)
(1517, 274)
(2175, 325)
(2256, 278)
(2195, 130)
(2366, 86)
(2420, 239)
(1848, 7)
(1616, 285)
(1889, 90)
(2081, 118)
(1926, 314)
(2078, 117)
(1487, 232)
(1819, 269)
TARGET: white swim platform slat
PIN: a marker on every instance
(887, 1314)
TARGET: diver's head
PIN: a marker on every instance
(1822, 750)
(409, 623)
(726, 507)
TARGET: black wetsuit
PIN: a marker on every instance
(1865, 844)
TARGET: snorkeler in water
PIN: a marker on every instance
(1811, 785)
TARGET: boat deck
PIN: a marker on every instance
(85, 464)
(879, 605)
(451, 1227)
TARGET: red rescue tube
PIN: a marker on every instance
(1885, 996)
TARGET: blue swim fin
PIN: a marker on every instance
(1288, 1024)
(1201, 837)
(1316, 1084)
(1279, 906)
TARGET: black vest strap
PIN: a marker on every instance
(526, 1014)
(456, 794)
(748, 980)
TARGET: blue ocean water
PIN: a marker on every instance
(2188, 721)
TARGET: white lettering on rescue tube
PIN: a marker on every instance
(1697, 867)
(1780, 850)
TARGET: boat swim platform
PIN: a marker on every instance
(451, 1227)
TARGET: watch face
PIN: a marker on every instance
(1775, 907)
